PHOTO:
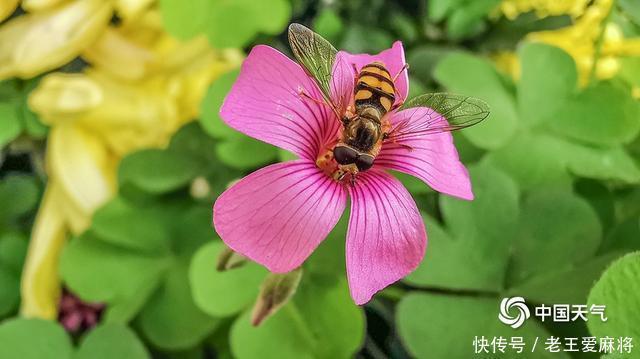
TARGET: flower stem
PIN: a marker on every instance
(393, 293)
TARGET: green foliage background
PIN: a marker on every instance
(555, 170)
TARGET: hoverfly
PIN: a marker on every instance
(365, 124)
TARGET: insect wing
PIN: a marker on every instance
(315, 54)
(438, 112)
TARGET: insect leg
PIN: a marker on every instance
(387, 135)
(346, 119)
(306, 96)
(355, 71)
(396, 106)
(405, 67)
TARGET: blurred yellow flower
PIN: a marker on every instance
(34, 43)
(508, 62)
(38, 5)
(7, 7)
(131, 9)
(581, 41)
(543, 8)
(142, 85)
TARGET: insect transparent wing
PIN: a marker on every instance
(459, 112)
(315, 54)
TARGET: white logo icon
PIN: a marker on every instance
(505, 308)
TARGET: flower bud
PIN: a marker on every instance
(200, 188)
(275, 292)
(228, 259)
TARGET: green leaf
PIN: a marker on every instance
(192, 141)
(438, 9)
(445, 326)
(329, 257)
(302, 328)
(215, 17)
(329, 25)
(473, 252)
(34, 339)
(13, 249)
(9, 291)
(603, 114)
(506, 34)
(246, 153)
(10, 124)
(365, 39)
(600, 163)
(618, 290)
(469, 75)
(191, 228)
(413, 184)
(566, 284)
(221, 294)
(32, 124)
(624, 236)
(19, 194)
(542, 167)
(630, 70)
(284, 155)
(468, 19)
(601, 199)
(158, 171)
(111, 341)
(171, 320)
(423, 61)
(540, 97)
(404, 26)
(438, 268)
(113, 223)
(552, 223)
(100, 272)
(550, 160)
(210, 108)
(631, 8)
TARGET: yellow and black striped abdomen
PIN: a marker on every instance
(374, 88)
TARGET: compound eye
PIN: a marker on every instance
(345, 155)
(364, 162)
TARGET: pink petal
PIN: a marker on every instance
(265, 103)
(433, 157)
(393, 59)
(279, 214)
(386, 239)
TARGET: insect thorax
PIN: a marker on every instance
(362, 133)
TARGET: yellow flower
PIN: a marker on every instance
(543, 8)
(508, 62)
(39, 42)
(39, 5)
(7, 7)
(129, 10)
(142, 85)
(581, 40)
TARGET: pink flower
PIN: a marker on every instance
(279, 214)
